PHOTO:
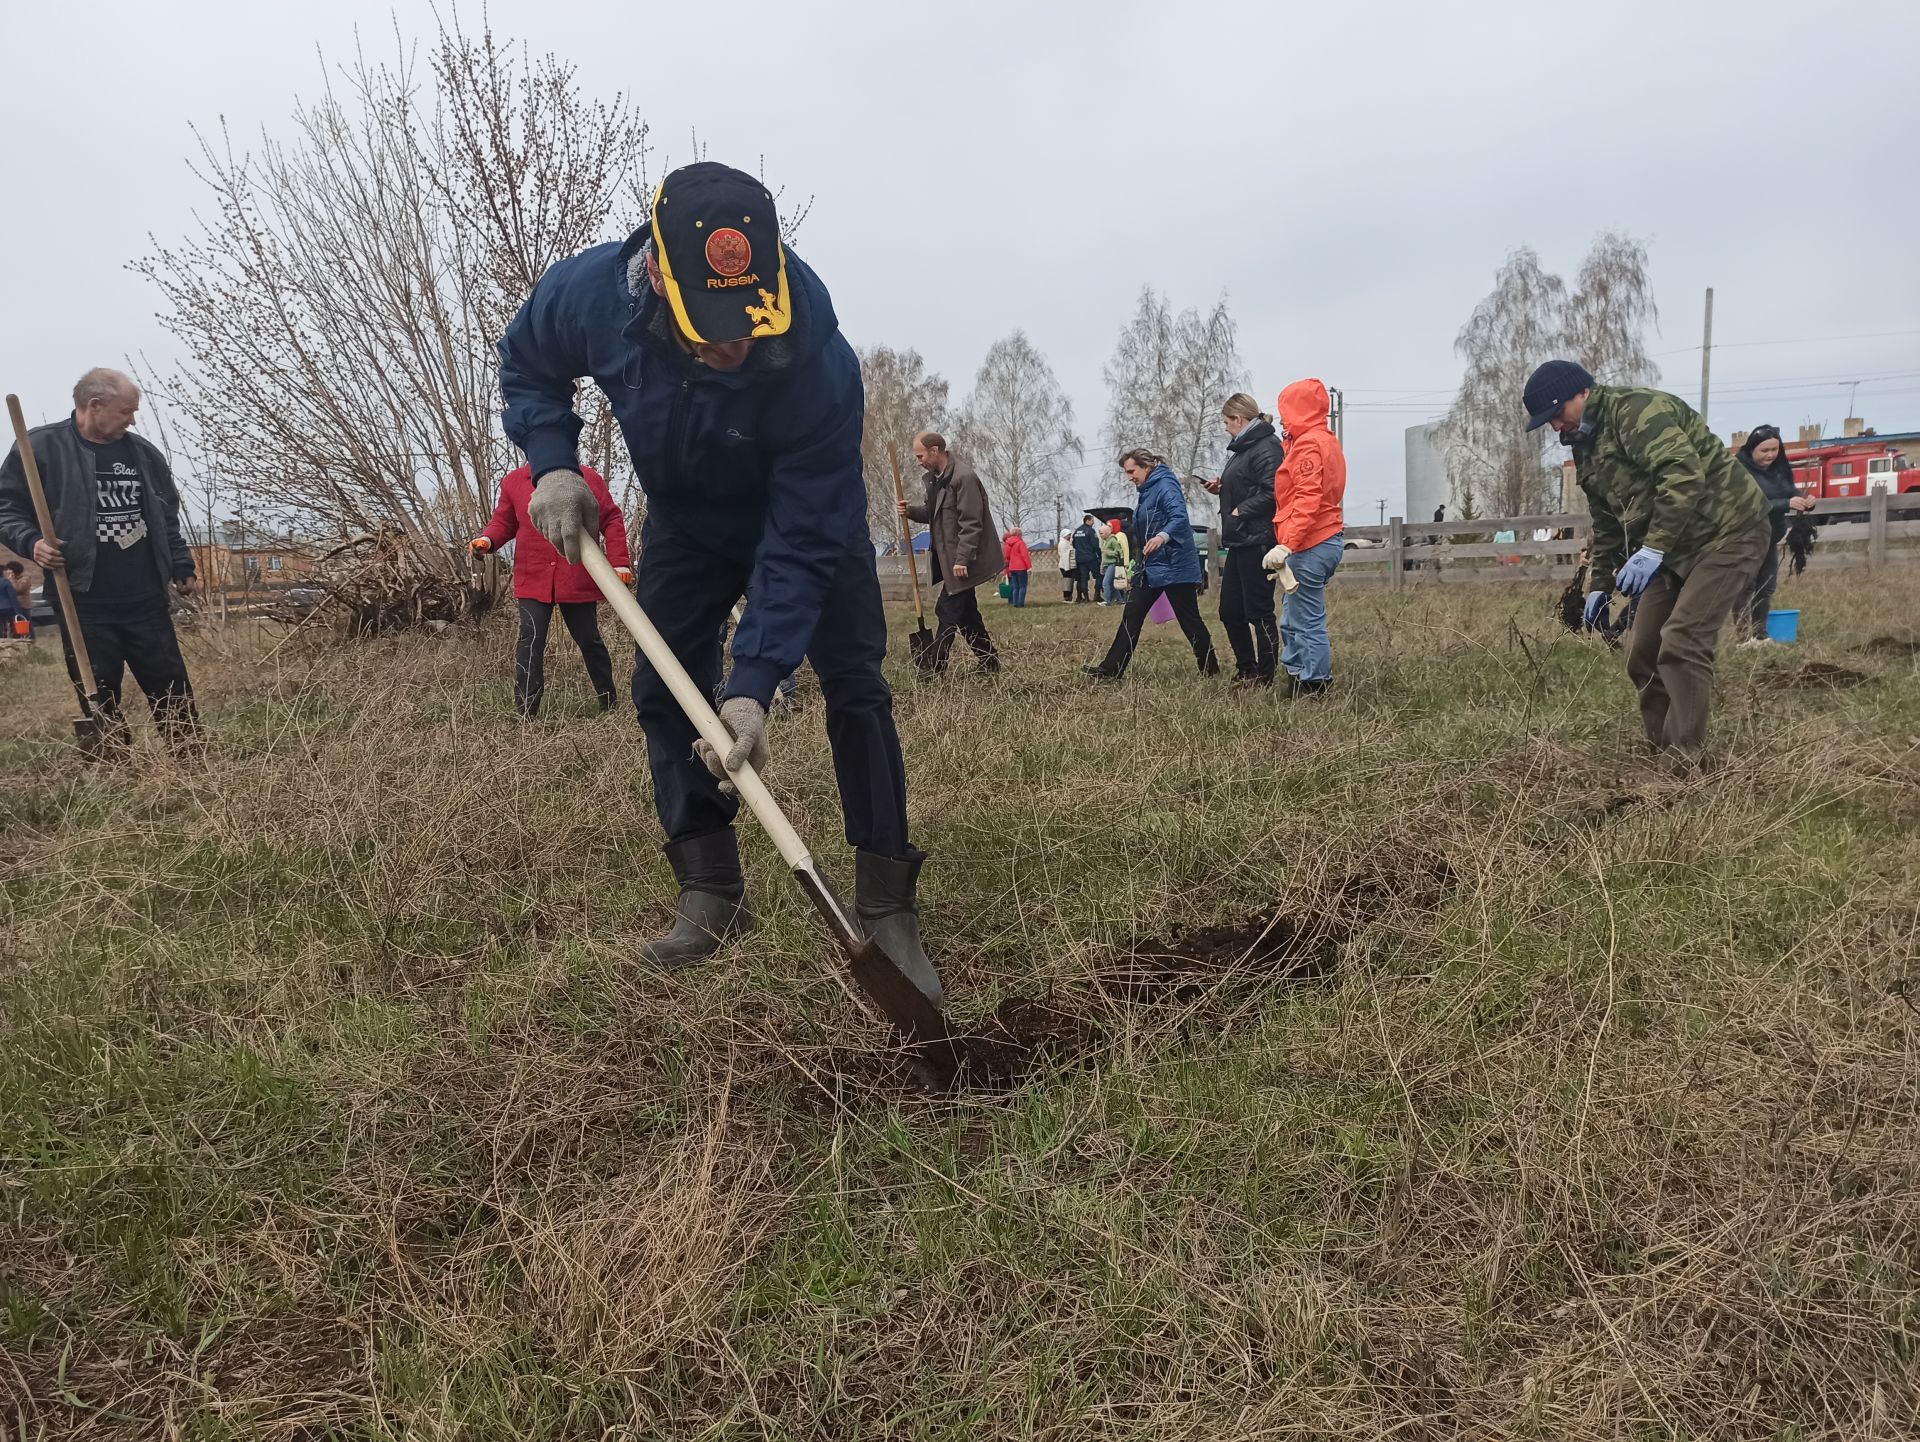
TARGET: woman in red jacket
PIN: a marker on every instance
(1308, 490)
(1019, 562)
(543, 580)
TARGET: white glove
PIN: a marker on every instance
(1274, 560)
(563, 510)
(746, 718)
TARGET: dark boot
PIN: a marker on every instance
(1298, 688)
(712, 907)
(884, 908)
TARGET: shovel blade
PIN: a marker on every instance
(920, 647)
(96, 738)
(931, 1046)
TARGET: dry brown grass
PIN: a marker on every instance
(335, 1107)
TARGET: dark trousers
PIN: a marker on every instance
(1086, 576)
(1676, 630)
(1246, 612)
(959, 615)
(141, 641)
(688, 593)
(530, 652)
(1753, 609)
(1185, 600)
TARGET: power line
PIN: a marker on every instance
(1790, 340)
(1414, 392)
(1806, 385)
(1742, 397)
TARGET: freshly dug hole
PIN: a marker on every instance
(1892, 646)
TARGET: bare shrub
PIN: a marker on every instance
(338, 309)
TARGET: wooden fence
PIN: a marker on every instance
(1398, 555)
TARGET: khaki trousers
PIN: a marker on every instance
(1675, 634)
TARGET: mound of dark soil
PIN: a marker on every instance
(1272, 947)
(1231, 961)
(1024, 1032)
(1892, 646)
(1281, 947)
(1812, 676)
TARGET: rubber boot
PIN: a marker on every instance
(712, 907)
(884, 908)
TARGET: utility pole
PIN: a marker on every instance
(1059, 518)
(1383, 513)
(1706, 354)
(1338, 420)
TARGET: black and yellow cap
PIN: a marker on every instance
(716, 235)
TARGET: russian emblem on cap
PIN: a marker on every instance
(729, 252)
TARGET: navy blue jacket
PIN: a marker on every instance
(1086, 545)
(758, 467)
(1162, 509)
(10, 603)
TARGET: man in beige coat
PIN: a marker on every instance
(966, 549)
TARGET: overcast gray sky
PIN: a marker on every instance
(1348, 175)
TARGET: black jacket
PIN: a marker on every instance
(66, 470)
(1776, 483)
(1246, 487)
(1086, 545)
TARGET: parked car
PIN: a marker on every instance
(300, 602)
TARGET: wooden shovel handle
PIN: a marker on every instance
(43, 517)
(906, 533)
(694, 702)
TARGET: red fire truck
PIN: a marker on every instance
(1853, 467)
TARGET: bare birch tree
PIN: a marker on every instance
(339, 306)
(1166, 380)
(1604, 321)
(904, 398)
(1494, 464)
(1017, 429)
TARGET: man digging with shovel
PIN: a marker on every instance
(741, 404)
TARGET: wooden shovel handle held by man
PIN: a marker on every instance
(87, 727)
(921, 641)
(883, 986)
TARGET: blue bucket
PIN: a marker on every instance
(1783, 625)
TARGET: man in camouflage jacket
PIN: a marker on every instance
(1676, 522)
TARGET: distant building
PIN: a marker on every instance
(247, 556)
(1573, 500)
(1427, 483)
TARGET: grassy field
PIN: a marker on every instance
(1405, 1067)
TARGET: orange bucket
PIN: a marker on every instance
(22, 626)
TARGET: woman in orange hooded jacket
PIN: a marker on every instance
(1307, 526)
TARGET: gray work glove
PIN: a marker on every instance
(746, 718)
(563, 510)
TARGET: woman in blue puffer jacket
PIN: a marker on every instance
(1171, 567)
